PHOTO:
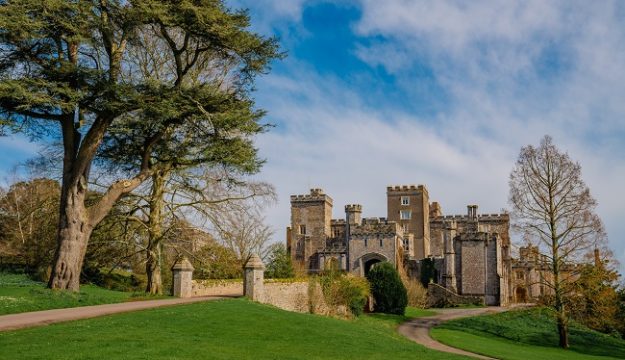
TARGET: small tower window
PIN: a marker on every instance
(404, 214)
(381, 244)
(302, 229)
(366, 242)
(405, 200)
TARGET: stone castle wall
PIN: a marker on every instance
(286, 295)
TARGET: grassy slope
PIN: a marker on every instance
(526, 334)
(20, 294)
(227, 329)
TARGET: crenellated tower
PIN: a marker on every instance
(311, 217)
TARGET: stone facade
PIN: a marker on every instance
(472, 251)
(532, 277)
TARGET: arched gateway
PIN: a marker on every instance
(368, 260)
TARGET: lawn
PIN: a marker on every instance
(19, 294)
(224, 329)
(526, 334)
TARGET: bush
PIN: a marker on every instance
(389, 293)
(344, 291)
(417, 294)
(113, 280)
(280, 265)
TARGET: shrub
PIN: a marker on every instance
(343, 292)
(389, 293)
(280, 265)
(417, 294)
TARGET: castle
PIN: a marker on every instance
(470, 253)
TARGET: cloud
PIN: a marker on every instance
(509, 72)
(512, 71)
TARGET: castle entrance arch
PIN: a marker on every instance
(521, 294)
(369, 260)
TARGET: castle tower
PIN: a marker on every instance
(311, 216)
(354, 214)
(409, 206)
(449, 275)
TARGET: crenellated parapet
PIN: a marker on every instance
(373, 227)
(353, 208)
(481, 217)
(316, 195)
(405, 189)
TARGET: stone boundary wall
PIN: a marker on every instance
(217, 287)
(290, 296)
(439, 296)
(284, 294)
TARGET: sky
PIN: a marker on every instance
(444, 93)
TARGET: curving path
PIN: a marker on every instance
(38, 318)
(418, 330)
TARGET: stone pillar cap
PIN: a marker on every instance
(183, 264)
(254, 263)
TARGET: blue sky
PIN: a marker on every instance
(445, 93)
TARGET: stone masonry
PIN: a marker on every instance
(471, 252)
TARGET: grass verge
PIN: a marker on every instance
(526, 334)
(20, 294)
(224, 329)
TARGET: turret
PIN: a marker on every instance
(353, 213)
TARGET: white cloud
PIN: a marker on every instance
(494, 60)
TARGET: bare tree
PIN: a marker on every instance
(554, 210)
(243, 231)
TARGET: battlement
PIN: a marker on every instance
(481, 217)
(353, 208)
(393, 188)
(314, 196)
(337, 221)
(375, 229)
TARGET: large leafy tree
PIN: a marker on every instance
(553, 208)
(217, 134)
(64, 67)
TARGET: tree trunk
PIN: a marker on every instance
(155, 234)
(72, 237)
(153, 270)
(563, 331)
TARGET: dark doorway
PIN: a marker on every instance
(369, 264)
(521, 295)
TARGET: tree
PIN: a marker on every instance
(63, 65)
(596, 303)
(243, 231)
(553, 208)
(389, 293)
(280, 265)
(28, 217)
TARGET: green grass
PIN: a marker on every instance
(225, 329)
(20, 294)
(526, 334)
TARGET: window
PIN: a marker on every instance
(405, 200)
(302, 229)
(381, 244)
(520, 275)
(405, 228)
(404, 214)
(406, 244)
(366, 242)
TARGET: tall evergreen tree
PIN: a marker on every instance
(64, 69)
